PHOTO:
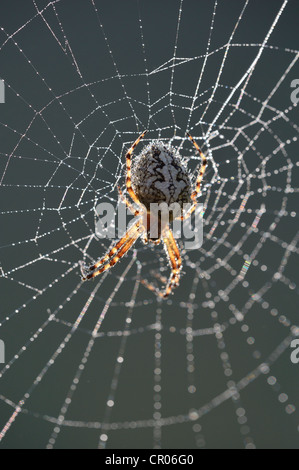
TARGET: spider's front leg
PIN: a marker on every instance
(198, 181)
(128, 165)
(131, 208)
(115, 254)
(202, 169)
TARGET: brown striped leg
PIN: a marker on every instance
(128, 163)
(114, 255)
(129, 205)
(173, 247)
(198, 181)
(202, 169)
(159, 276)
(189, 212)
(175, 262)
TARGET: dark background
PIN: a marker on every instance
(211, 366)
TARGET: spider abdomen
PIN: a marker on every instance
(158, 175)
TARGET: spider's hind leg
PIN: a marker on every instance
(175, 262)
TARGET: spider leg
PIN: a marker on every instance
(159, 276)
(114, 250)
(176, 252)
(114, 255)
(198, 181)
(130, 206)
(189, 212)
(128, 163)
(175, 263)
(202, 169)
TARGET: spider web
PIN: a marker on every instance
(106, 363)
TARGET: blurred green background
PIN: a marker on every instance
(210, 367)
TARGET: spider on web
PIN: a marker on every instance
(157, 176)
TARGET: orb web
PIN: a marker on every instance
(106, 364)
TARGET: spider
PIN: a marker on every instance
(157, 175)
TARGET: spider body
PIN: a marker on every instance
(158, 176)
